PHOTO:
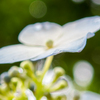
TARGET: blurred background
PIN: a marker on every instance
(16, 14)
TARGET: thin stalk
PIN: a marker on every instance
(46, 66)
(40, 87)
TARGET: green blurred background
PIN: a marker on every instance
(16, 14)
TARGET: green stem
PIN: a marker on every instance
(46, 66)
(30, 74)
(40, 87)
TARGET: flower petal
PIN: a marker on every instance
(90, 96)
(40, 33)
(44, 98)
(48, 78)
(30, 95)
(79, 28)
(19, 52)
(74, 46)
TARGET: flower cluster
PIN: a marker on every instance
(24, 83)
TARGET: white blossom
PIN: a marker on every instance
(30, 95)
(41, 40)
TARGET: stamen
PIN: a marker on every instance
(49, 44)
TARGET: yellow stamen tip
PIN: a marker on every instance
(49, 44)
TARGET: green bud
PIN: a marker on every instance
(20, 96)
(27, 65)
(59, 85)
(48, 95)
(63, 97)
(76, 97)
(38, 73)
(14, 72)
(14, 81)
(59, 71)
(63, 84)
(3, 89)
(0, 89)
(5, 77)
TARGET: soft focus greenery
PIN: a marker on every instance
(15, 15)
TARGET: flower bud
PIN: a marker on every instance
(14, 72)
(59, 85)
(3, 89)
(59, 71)
(27, 65)
(19, 95)
(60, 98)
(48, 95)
(14, 81)
(5, 77)
(76, 97)
(38, 73)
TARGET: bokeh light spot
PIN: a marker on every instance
(78, 1)
(83, 73)
(97, 2)
(38, 9)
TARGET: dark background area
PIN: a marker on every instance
(16, 14)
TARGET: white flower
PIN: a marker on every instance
(30, 95)
(41, 40)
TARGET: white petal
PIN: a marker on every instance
(74, 46)
(48, 78)
(40, 33)
(90, 96)
(19, 52)
(44, 98)
(45, 54)
(30, 95)
(78, 29)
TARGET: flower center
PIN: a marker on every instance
(49, 44)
